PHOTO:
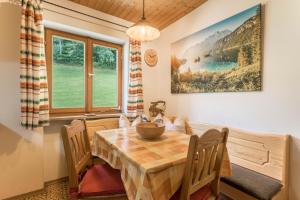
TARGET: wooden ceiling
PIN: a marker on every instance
(160, 13)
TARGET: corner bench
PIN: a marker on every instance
(260, 164)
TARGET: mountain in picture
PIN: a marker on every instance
(225, 57)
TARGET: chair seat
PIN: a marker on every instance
(101, 180)
(201, 194)
(253, 183)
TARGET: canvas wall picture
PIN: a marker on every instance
(225, 57)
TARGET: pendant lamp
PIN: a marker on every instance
(142, 30)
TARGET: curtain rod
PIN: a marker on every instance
(104, 20)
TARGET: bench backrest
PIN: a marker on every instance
(100, 124)
(264, 153)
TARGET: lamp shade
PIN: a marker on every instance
(142, 31)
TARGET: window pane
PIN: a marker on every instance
(105, 79)
(67, 73)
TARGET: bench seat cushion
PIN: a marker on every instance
(253, 183)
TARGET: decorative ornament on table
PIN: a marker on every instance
(124, 122)
(140, 119)
(159, 119)
(145, 118)
(150, 57)
(157, 107)
(137, 120)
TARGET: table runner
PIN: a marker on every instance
(150, 170)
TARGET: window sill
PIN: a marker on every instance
(59, 117)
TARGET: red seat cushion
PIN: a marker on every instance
(101, 180)
(201, 194)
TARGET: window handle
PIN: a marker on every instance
(91, 75)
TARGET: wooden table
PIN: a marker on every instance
(150, 170)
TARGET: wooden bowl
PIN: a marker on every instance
(149, 130)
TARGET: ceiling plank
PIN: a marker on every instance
(159, 13)
(177, 14)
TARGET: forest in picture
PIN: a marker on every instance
(225, 57)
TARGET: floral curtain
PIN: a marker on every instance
(33, 78)
(135, 91)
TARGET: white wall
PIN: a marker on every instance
(21, 151)
(275, 109)
(54, 159)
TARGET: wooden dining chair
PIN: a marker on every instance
(88, 180)
(202, 172)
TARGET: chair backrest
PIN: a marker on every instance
(77, 150)
(100, 124)
(204, 162)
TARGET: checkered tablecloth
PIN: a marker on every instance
(151, 170)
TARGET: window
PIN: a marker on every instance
(84, 74)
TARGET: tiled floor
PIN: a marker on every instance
(57, 190)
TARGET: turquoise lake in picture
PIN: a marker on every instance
(214, 66)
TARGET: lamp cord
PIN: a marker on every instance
(143, 10)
